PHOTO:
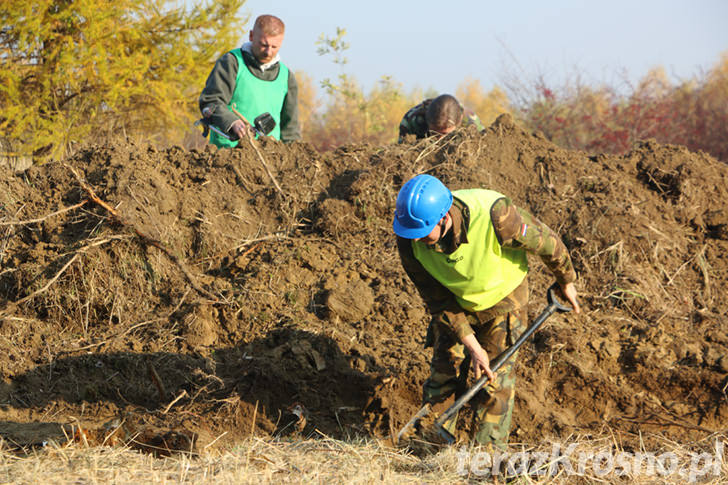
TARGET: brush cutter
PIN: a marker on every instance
(553, 306)
(262, 124)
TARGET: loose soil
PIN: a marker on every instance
(178, 298)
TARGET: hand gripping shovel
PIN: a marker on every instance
(553, 306)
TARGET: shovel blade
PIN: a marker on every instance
(445, 434)
(422, 413)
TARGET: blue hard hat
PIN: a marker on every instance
(421, 203)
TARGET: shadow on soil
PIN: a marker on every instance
(228, 389)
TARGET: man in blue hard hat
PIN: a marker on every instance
(465, 251)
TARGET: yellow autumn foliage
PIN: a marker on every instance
(81, 70)
(353, 116)
(487, 105)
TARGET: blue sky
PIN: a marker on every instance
(436, 45)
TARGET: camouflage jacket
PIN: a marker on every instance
(414, 122)
(514, 228)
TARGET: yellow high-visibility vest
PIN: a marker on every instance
(481, 272)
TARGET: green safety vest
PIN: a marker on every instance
(253, 97)
(481, 272)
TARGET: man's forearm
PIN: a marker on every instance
(518, 229)
(218, 92)
(478, 356)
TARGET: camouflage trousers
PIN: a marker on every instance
(493, 405)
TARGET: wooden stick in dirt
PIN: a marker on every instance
(64, 268)
(260, 156)
(240, 115)
(157, 382)
(50, 282)
(255, 415)
(144, 237)
(31, 221)
(169, 406)
(13, 305)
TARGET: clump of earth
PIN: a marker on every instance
(191, 298)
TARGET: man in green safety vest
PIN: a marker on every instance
(253, 81)
(465, 251)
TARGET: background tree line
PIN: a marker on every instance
(81, 71)
(84, 70)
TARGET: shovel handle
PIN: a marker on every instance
(424, 411)
(554, 305)
(552, 300)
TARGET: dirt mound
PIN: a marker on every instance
(180, 292)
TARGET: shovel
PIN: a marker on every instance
(553, 306)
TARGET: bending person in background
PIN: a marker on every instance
(465, 251)
(437, 116)
(255, 81)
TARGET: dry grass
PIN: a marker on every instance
(330, 461)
